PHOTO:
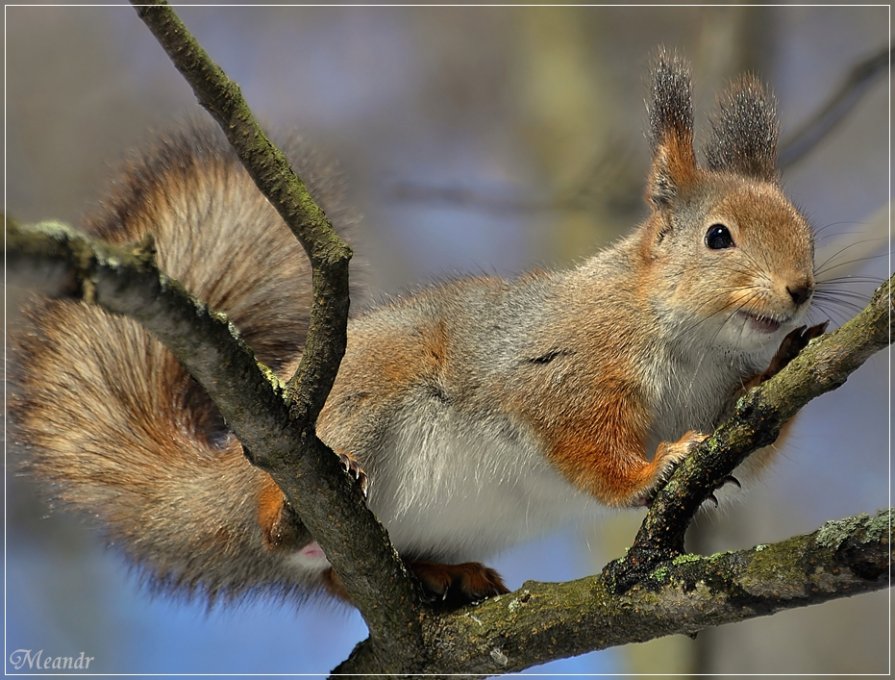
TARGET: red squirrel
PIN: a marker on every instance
(478, 412)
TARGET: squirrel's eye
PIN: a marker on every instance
(718, 237)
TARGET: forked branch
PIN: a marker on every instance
(307, 474)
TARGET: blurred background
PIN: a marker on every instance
(473, 139)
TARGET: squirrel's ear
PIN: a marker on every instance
(671, 130)
(745, 131)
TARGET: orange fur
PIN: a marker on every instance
(602, 451)
(271, 511)
(469, 581)
(454, 583)
(678, 147)
(334, 585)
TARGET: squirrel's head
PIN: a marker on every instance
(730, 256)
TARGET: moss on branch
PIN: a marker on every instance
(545, 621)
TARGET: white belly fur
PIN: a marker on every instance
(458, 489)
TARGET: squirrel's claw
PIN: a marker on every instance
(354, 470)
(730, 479)
(816, 330)
(727, 479)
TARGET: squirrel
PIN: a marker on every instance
(478, 412)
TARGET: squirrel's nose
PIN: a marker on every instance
(800, 292)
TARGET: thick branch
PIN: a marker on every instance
(822, 366)
(545, 621)
(62, 262)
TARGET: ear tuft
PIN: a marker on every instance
(671, 129)
(671, 106)
(745, 131)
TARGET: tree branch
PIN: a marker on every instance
(822, 366)
(62, 262)
(545, 621)
(273, 175)
(297, 470)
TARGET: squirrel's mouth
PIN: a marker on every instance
(761, 323)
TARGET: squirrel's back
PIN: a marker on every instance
(110, 417)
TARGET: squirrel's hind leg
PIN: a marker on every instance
(450, 584)
(457, 584)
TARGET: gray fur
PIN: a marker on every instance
(745, 131)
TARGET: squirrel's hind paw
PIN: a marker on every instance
(457, 584)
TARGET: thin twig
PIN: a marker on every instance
(838, 105)
(608, 177)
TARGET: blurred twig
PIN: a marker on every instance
(598, 182)
(608, 178)
(840, 103)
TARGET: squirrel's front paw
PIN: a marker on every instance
(353, 468)
(668, 456)
(672, 453)
(792, 344)
(457, 584)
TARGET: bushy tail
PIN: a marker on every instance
(109, 417)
